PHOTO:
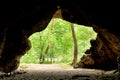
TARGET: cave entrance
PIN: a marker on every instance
(53, 50)
(59, 43)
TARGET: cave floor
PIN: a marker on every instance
(56, 72)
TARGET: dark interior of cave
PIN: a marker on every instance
(19, 19)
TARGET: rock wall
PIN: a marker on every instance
(103, 52)
(18, 20)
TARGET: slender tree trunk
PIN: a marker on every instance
(51, 41)
(75, 44)
(46, 50)
(41, 58)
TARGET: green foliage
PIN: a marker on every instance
(58, 36)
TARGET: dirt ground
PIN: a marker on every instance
(57, 72)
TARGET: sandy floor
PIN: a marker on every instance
(57, 72)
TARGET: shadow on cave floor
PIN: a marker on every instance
(57, 72)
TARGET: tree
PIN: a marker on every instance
(75, 44)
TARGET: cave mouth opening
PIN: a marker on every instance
(57, 44)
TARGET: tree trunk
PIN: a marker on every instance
(75, 44)
(41, 58)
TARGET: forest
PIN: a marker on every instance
(60, 42)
